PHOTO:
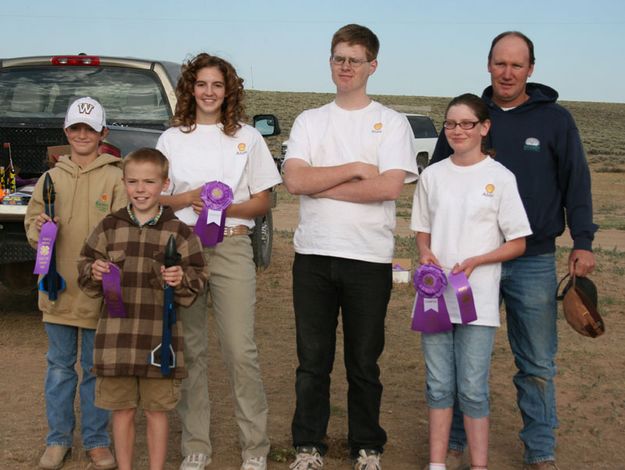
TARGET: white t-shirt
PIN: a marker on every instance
(243, 162)
(469, 211)
(330, 136)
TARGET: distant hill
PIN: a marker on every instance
(601, 125)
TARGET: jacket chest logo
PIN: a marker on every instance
(532, 144)
(103, 204)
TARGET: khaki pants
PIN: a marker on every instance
(232, 288)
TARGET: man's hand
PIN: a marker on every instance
(581, 262)
(98, 268)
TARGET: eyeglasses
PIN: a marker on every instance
(354, 63)
(464, 125)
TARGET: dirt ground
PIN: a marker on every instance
(590, 382)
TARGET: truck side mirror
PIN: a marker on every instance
(267, 124)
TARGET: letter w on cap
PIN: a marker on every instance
(85, 108)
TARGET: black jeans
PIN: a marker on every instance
(322, 286)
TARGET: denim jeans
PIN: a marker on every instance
(528, 288)
(60, 389)
(458, 364)
(322, 286)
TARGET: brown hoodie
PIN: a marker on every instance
(84, 196)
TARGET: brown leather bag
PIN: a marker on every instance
(579, 301)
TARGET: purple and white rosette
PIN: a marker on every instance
(217, 196)
(430, 313)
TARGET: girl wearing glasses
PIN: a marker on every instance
(209, 142)
(468, 216)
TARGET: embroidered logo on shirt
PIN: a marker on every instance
(102, 204)
(489, 190)
(377, 127)
(532, 144)
(241, 148)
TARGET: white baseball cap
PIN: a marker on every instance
(88, 111)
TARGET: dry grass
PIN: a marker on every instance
(601, 125)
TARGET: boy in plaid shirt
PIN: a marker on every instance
(134, 239)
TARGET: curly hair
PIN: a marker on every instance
(232, 109)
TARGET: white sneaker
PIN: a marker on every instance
(307, 458)
(195, 461)
(254, 463)
(368, 459)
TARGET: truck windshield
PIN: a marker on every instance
(129, 96)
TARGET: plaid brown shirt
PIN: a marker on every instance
(123, 345)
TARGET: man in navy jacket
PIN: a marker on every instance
(538, 141)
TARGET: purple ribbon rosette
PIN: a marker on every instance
(217, 196)
(430, 313)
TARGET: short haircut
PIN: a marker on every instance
(518, 34)
(147, 155)
(355, 34)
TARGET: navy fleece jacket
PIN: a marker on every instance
(539, 142)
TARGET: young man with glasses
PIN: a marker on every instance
(348, 161)
(538, 141)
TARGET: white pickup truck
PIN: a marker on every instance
(139, 99)
(425, 138)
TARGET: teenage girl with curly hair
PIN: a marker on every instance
(210, 142)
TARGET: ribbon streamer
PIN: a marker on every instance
(112, 291)
(464, 295)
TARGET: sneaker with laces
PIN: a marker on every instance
(368, 459)
(307, 458)
(195, 461)
(254, 463)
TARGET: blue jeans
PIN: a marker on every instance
(60, 389)
(457, 364)
(528, 288)
(323, 286)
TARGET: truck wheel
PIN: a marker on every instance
(422, 161)
(262, 240)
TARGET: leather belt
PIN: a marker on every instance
(237, 230)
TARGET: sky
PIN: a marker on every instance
(428, 48)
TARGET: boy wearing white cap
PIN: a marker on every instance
(88, 186)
